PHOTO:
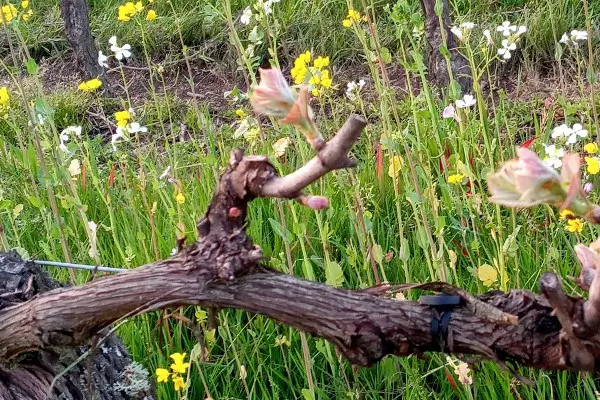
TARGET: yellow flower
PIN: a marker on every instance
(122, 117)
(178, 365)
(4, 98)
(180, 198)
(456, 179)
(128, 10)
(321, 62)
(25, 4)
(487, 274)
(566, 213)
(326, 80)
(240, 113)
(27, 15)
(9, 12)
(91, 85)
(305, 57)
(315, 92)
(151, 16)
(593, 165)
(591, 148)
(574, 225)
(179, 383)
(162, 375)
(352, 17)
(395, 165)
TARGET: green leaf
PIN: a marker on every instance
(36, 202)
(282, 232)
(4, 204)
(307, 394)
(32, 67)
(377, 252)
(386, 56)
(334, 274)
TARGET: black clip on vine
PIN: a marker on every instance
(442, 306)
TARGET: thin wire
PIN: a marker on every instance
(78, 266)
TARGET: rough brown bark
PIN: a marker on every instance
(222, 269)
(437, 67)
(79, 35)
(104, 375)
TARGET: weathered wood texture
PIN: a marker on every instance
(29, 375)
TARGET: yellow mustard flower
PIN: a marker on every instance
(591, 148)
(4, 97)
(24, 4)
(240, 113)
(151, 16)
(456, 179)
(574, 225)
(352, 17)
(9, 12)
(321, 62)
(326, 80)
(91, 85)
(180, 198)
(179, 383)
(122, 117)
(162, 375)
(128, 10)
(566, 214)
(27, 15)
(592, 165)
(178, 365)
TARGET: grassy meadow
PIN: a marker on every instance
(142, 168)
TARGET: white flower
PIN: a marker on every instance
(352, 88)
(458, 33)
(450, 112)
(467, 25)
(246, 16)
(165, 173)
(120, 52)
(576, 131)
(135, 127)
(265, 5)
(506, 28)
(488, 36)
(560, 131)
(521, 30)
(574, 37)
(554, 156)
(116, 136)
(506, 48)
(173, 251)
(467, 101)
(64, 136)
(102, 59)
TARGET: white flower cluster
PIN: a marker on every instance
(131, 128)
(120, 52)
(353, 89)
(574, 37)
(261, 6)
(64, 136)
(511, 34)
(563, 134)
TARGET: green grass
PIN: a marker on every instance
(430, 228)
